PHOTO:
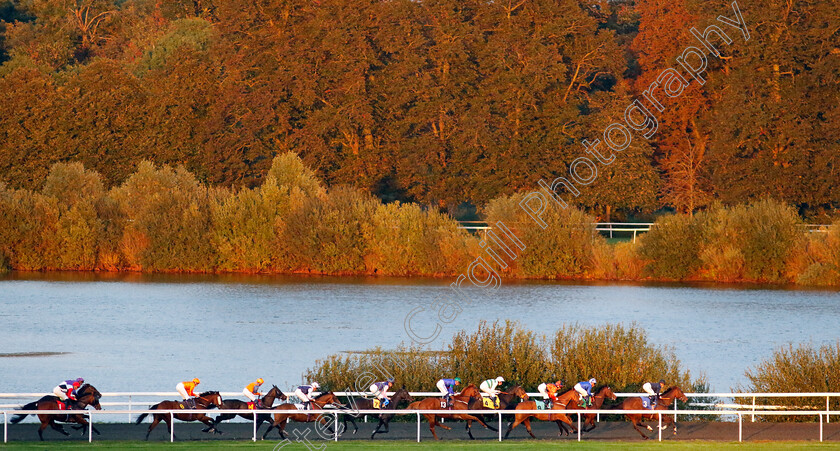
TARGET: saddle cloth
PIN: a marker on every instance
(490, 403)
(646, 402)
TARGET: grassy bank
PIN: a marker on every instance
(165, 220)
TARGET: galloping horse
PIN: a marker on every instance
(206, 400)
(506, 400)
(384, 419)
(460, 401)
(665, 400)
(86, 395)
(559, 418)
(235, 404)
(598, 400)
(303, 416)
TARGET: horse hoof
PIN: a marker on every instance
(649, 428)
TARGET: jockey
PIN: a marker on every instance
(187, 391)
(653, 389)
(447, 387)
(252, 392)
(380, 390)
(67, 389)
(304, 393)
(489, 386)
(585, 390)
(549, 390)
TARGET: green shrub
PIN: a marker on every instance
(403, 239)
(615, 354)
(671, 248)
(327, 234)
(792, 369)
(565, 248)
(169, 220)
(819, 261)
(618, 355)
(495, 349)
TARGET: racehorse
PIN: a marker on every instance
(598, 400)
(384, 419)
(665, 400)
(206, 400)
(559, 418)
(460, 401)
(303, 416)
(235, 404)
(86, 395)
(506, 400)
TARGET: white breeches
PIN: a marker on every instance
(374, 390)
(442, 387)
(60, 393)
(541, 389)
(580, 390)
(489, 391)
(182, 390)
(647, 389)
(302, 396)
(249, 395)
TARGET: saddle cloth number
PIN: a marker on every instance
(490, 403)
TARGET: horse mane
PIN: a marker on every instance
(670, 389)
(324, 394)
(207, 393)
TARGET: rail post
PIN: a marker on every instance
(753, 409)
(5, 427)
(827, 409)
(129, 409)
(335, 425)
(500, 426)
(171, 427)
(821, 427)
(254, 438)
(676, 401)
(660, 426)
(418, 426)
(578, 425)
(90, 427)
(740, 428)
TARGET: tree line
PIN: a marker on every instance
(163, 219)
(438, 102)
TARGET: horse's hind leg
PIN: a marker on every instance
(153, 425)
(527, 423)
(41, 429)
(636, 427)
(211, 427)
(58, 427)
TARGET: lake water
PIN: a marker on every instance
(148, 332)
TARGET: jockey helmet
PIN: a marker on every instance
(458, 380)
(196, 381)
(316, 385)
(559, 383)
(593, 381)
(260, 380)
(500, 379)
(390, 380)
(662, 381)
(76, 384)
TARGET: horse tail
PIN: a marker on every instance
(19, 417)
(144, 415)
